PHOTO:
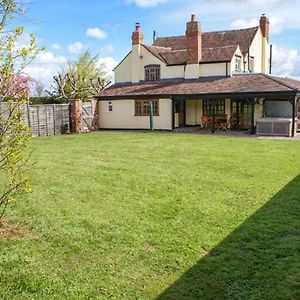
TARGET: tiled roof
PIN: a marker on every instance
(157, 51)
(241, 37)
(216, 46)
(251, 83)
(179, 57)
(218, 54)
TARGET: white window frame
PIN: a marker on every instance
(238, 63)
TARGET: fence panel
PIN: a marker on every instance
(52, 119)
(49, 119)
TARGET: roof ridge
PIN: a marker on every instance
(277, 79)
(158, 47)
(228, 46)
(168, 37)
(178, 50)
(206, 32)
(241, 29)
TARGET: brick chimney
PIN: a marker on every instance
(193, 41)
(137, 35)
(264, 24)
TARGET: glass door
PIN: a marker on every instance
(241, 114)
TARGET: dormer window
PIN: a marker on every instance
(238, 61)
(152, 72)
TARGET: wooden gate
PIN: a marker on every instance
(86, 116)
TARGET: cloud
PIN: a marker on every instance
(286, 62)
(107, 64)
(56, 46)
(244, 23)
(96, 33)
(220, 13)
(277, 24)
(45, 67)
(75, 48)
(145, 3)
(108, 48)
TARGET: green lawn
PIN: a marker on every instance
(124, 215)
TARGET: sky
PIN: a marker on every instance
(69, 27)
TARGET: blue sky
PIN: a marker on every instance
(68, 27)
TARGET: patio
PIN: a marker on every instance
(232, 133)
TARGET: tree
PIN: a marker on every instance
(39, 88)
(14, 92)
(80, 79)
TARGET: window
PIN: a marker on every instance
(142, 107)
(251, 64)
(110, 106)
(238, 61)
(152, 72)
(208, 107)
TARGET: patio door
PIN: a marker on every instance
(179, 111)
(241, 114)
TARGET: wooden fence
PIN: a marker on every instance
(53, 119)
(49, 119)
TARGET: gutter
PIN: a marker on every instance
(274, 94)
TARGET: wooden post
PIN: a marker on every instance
(252, 116)
(213, 127)
(294, 114)
(61, 118)
(173, 113)
(54, 117)
(184, 112)
(38, 120)
(46, 120)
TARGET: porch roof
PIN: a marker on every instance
(254, 84)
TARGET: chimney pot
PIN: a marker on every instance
(264, 24)
(193, 41)
(137, 35)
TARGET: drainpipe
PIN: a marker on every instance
(271, 58)
(151, 115)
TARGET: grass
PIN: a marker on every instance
(122, 215)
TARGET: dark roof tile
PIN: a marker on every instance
(216, 46)
(241, 37)
(252, 83)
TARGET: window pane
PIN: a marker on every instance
(142, 107)
(208, 107)
(152, 73)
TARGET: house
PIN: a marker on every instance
(215, 80)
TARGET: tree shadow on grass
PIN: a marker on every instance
(258, 260)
